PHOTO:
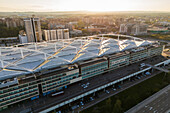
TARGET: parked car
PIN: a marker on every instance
(85, 86)
(107, 92)
(81, 103)
(142, 65)
(114, 89)
(88, 83)
(148, 73)
(91, 98)
(119, 86)
(82, 85)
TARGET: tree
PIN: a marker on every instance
(117, 107)
(108, 105)
(9, 32)
(81, 24)
(95, 110)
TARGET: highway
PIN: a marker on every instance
(157, 103)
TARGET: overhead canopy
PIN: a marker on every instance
(36, 56)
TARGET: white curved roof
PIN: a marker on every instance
(34, 57)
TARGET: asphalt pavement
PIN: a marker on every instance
(159, 105)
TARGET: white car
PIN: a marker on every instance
(114, 89)
(81, 103)
(142, 65)
(107, 92)
(82, 85)
(148, 73)
(91, 98)
(85, 86)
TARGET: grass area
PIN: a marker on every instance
(130, 97)
(160, 36)
(157, 36)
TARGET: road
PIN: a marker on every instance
(159, 105)
(124, 86)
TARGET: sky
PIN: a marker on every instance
(83, 5)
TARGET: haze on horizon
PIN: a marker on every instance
(83, 5)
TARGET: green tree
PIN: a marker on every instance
(81, 24)
(108, 105)
(95, 110)
(117, 107)
(9, 32)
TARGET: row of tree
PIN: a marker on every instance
(9, 32)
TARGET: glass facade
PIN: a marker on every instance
(119, 62)
(138, 56)
(94, 69)
(155, 51)
(52, 83)
(18, 93)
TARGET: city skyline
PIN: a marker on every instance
(77, 5)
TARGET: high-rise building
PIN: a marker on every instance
(46, 34)
(53, 34)
(60, 34)
(139, 29)
(66, 33)
(56, 34)
(122, 28)
(135, 29)
(33, 29)
(13, 22)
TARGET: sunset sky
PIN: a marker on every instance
(84, 5)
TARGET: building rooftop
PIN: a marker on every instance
(33, 57)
